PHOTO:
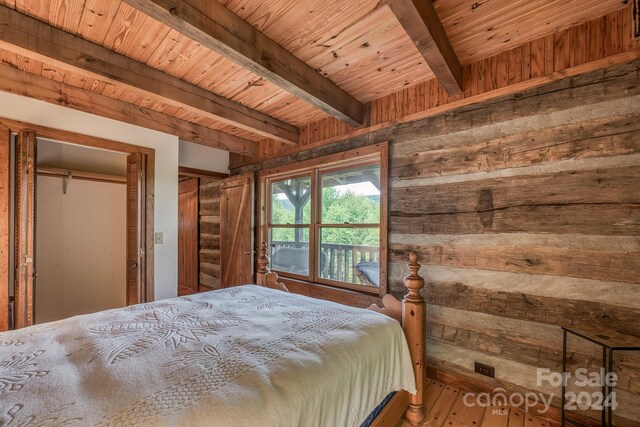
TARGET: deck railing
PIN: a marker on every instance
(339, 260)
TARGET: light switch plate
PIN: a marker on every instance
(159, 238)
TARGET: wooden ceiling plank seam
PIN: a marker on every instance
(167, 51)
(97, 18)
(29, 36)
(216, 27)
(369, 59)
(36, 8)
(360, 73)
(372, 30)
(478, 31)
(336, 21)
(66, 14)
(193, 53)
(506, 21)
(23, 83)
(199, 72)
(420, 20)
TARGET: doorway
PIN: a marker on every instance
(198, 230)
(80, 238)
(20, 176)
(188, 236)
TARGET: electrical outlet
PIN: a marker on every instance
(486, 370)
(159, 238)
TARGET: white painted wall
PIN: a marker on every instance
(25, 109)
(81, 248)
(201, 157)
(77, 157)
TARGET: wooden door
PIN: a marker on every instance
(188, 236)
(236, 230)
(24, 211)
(5, 153)
(136, 228)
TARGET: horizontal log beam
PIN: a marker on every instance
(421, 22)
(534, 308)
(599, 186)
(22, 83)
(607, 258)
(29, 37)
(585, 138)
(601, 202)
(217, 28)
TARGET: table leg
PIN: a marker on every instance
(564, 372)
(610, 388)
(604, 386)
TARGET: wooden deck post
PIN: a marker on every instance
(413, 323)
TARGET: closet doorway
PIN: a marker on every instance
(59, 221)
(80, 238)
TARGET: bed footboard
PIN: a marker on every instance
(411, 312)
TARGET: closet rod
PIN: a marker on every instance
(81, 175)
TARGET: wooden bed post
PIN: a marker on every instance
(263, 265)
(414, 323)
(266, 277)
(411, 312)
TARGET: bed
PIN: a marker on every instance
(247, 355)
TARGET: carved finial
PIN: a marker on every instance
(413, 282)
(263, 259)
(413, 259)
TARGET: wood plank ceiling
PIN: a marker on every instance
(359, 45)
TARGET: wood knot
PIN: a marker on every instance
(174, 11)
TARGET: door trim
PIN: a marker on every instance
(64, 136)
(5, 195)
(200, 173)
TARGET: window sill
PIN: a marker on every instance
(331, 293)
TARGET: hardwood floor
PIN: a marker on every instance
(446, 408)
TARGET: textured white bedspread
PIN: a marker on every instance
(239, 356)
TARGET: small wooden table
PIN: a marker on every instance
(610, 341)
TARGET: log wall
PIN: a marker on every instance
(525, 210)
(209, 233)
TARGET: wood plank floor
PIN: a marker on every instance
(446, 408)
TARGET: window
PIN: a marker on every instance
(325, 220)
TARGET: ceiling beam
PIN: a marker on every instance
(216, 27)
(27, 36)
(34, 86)
(421, 22)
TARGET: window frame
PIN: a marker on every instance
(269, 226)
(315, 168)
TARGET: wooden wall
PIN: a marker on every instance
(588, 46)
(526, 213)
(209, 233)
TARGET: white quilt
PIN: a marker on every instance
(239, 356)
